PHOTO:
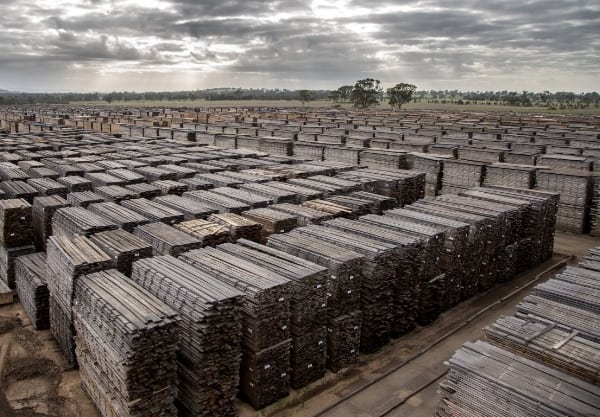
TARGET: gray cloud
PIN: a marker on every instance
(185, 44)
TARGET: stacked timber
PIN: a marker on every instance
(115, 193)
(70, 221)
(16, 236)
(422, 290)
(358, 206)
(595, 206)
(191, 209)
(68, 258)
(126, 346)
(565, 317)
(154, 211)
(239, 227)
(100, 179)
(19, 189)
(433, 167)
(460, 175)
(302, 193)
(144, 190)
(168, 187)
(209, 353)
(304, 215)
(32, 288)
(540, 220)
(308, 306)
(15, 223)
(166, 240)
(456, 236)
(122, 216)
(217, 201)
(75, 184)
(334, 209)
(272, 221)
(48, 186)
(123, 248)
(84, 198)
(343, 292)
(196, 183)
(127, 176)
(510, 175)
(575, 190)
(557, 348)
(42, 212)
(274, 194)
(265, 370)
(378, 281)
(377, 203)
(485, 380)
(209, 233)
(409, 253)
(245, 196)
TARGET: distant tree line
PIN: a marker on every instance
(363, 93)
(214, 94)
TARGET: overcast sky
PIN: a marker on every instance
(151, 45)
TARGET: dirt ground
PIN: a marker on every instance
(36, 382)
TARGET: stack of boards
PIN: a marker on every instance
(126, 346)
(543, 361)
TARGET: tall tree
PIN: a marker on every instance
(345, 92)
(366, 93)
(400, 93)
(305, 96)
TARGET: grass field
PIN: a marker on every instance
(329, 104)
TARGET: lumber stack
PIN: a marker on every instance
(421, 289)
(75, 184)
(217, 201)
(485, 380)
(48, 186)
(84, 198)
(244, 196)
(125, 218)
(272, 221)
(209, 354)
(18, 189)
(126, 355)
(308, 306)
(433, 167)
(15, 223)
(544, 343)
(209, 233)
(304, 215)
(460, 175)
(265, 370)
(154, 210)
(239, 227)
(168, 187)
(32, 288)
(115, 193)
(70, 221)
(67, 259)
(343, 292)
(510, 175)
(378, 282)
(42, 211)
(575, 190)
(166, 240)
(123, 248)
(16, 236)
(191, 209)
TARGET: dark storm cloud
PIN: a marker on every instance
(315, 43)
